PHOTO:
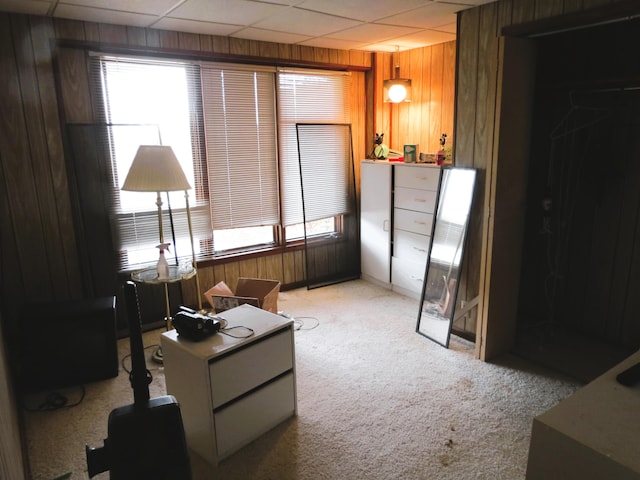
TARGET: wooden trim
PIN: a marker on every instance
(173, 52)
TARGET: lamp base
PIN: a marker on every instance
(157, 356)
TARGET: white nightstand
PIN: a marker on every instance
(232, 390)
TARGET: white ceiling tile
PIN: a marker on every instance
(449, 28)
(193, 26)
(282, 2)
(326, 42)
(155, 7)
(365, 10)
(433, 15)
(235, 12)
(103, 16)
(424, 38)
(28, 7)
(382, 47)
(252, 33)
(294, 20)
(370, 33)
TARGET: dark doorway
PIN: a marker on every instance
(579, 302)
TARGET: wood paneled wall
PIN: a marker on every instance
(431, 110)
(477, 136)
(41, 255)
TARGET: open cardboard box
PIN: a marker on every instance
(254, 291)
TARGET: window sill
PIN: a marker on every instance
(292, 246)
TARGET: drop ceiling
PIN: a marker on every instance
(374, 25)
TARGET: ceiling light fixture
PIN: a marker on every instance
(397, 90)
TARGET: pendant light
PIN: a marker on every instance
(397, 90)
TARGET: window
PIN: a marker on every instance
(240, 132)
(306, 97)
(131, 90)
(233, 128)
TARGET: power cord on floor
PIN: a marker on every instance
(124, 367)
(299, 323)
(56, 401)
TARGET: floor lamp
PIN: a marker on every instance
(155, 168)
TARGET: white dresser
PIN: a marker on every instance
(591, 435)
(397, 211)
(232, 390)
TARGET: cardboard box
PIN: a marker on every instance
(254, 291)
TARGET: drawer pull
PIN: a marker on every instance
(416, 278)
(419, 223)
(420, 249)
(421, 200)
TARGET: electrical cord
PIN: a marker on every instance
(224, 331)
(128, 370)
(298, 323)
(56, 401)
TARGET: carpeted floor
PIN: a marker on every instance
(375, 401)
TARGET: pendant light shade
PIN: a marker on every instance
(397, 90)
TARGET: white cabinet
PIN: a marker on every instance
(397, 212)
(375, 222)
(232, 390)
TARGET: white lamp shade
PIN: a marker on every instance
(155, 168)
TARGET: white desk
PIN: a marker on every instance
(232, 390)
(593, 434)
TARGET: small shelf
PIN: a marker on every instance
(176, 274)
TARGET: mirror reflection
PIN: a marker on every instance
(437, 302)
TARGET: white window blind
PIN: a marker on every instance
(325, 161)
(240, 131)
(150, 101)
(310, 97)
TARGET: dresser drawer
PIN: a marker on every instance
(411, 246)
(408, 274)
(414, 199)
(248, 418)
(241, 371)
(424, 178)
(411, 221)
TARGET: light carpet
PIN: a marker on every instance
(375, 401)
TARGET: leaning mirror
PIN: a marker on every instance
(440, 287)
